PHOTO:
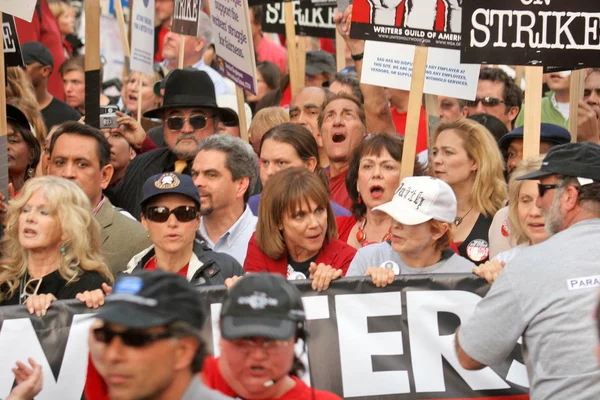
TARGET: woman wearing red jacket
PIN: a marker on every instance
(296, 234)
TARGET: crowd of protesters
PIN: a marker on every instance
(316, 194)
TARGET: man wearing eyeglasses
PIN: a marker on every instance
(547, 293)
(261, 320)
(190, 113)
(147, 344)
(497, 95)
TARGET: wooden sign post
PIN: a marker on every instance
(241, 105)
(181, 51)
(92, 63)
(290, 39)
(533, 111)
(414, 112)
(3, 126)
(575, 96)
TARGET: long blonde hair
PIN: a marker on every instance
(71, 209)
(514, 189)
(489, 188)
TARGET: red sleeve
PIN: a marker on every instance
(147, 145)
(257, 261)
(95, 388)
(345, 256)
(338, 254)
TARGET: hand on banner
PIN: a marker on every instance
(29, 381)
(322, 275)
(229, 282)
(489, 270)
(94, 298)
(130, 129)
(381, 277)
(343, 23)
(587, 123)
(39, 303)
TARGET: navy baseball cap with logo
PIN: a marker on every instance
(169, 182)
(262, 305)
(37, 52)
(550, 133)
(146, 299)
(577, 160)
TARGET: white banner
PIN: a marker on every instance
(19, 8)
(142, 36)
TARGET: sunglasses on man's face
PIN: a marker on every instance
(542, 189)
(162, 214)
(196, 121)
(486, 101)
(131, 338)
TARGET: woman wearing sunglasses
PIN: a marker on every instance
(527, 224)
(51, 248)
(171, 215)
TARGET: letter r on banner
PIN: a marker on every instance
(357, 345)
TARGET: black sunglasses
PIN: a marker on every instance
(542, 189)
(162, 214)
(196, 121)
(129, 338)
(486, 101)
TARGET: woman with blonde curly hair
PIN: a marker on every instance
(51, 247)
(466, 157)
(20, 93)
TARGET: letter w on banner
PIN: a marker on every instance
(364, 342)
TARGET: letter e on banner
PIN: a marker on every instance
(422, 314)
(358, 378)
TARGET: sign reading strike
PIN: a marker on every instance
(312, 18)
(233, 42)
(23, 9)
(364, 342)
(424, 22)
(391, 64)
(531, 32)
(12, 48)
(186, 17)
(142, 36)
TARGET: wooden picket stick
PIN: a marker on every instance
(575, 96)
(414, 112)
(242, 113)
(519, 74)
(122, 30)
(340, 51)
(3, 126)
(432, 109)
(533, 111)
(290, 39)
(301, 57)
(139, 105)
(92, 63)
(181, 50)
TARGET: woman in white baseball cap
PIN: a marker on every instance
(423, 209)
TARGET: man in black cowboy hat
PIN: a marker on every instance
(190, 113)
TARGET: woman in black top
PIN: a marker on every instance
(51, 248)
(466, 156)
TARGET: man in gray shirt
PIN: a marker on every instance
(547, 294)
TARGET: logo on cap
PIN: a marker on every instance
(130, 285)
(411, 195)
(258, 301)
(167, 181)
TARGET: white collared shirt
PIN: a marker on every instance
(235, 241)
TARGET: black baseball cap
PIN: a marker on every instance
(169, 182)
(262, 305)
(146, 299)
(37, 52)
(548, 133)
(319, 61)
(13, 114)
(577, 160)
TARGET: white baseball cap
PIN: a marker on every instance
(419, 199)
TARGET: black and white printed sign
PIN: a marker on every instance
(531, 32)
(12, 48)
(186, 17)
(365, 343)
(316, 20)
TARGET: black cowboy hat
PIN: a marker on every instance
(186, 88)
(13, 114)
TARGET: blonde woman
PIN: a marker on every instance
(65, 16)
(263, 121)
(466, 157)
(527, 222)
(51, 247)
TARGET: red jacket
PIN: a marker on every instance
(336, 253)
(44, 29)
(345, 225)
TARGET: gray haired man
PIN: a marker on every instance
(225, 170)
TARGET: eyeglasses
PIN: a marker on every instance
(129, 338)
(29, 288)
(542, 189)
(196, 121)
(162, 214)
(486, 101)
(247, 346)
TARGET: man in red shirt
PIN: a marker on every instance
(266, 49)
(261, 320)
(399, 110)
(43, 28)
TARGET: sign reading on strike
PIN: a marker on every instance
(186, 17)
(424, 22)
(142, 36)
(531, 32)
(311, 19)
